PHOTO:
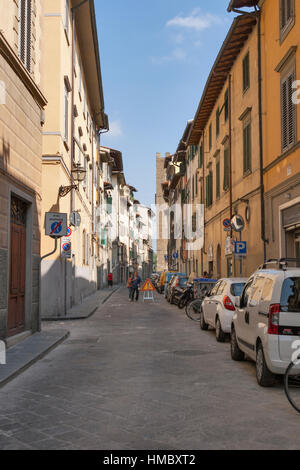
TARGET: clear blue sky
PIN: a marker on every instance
(155, 60)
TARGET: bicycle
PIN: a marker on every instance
(292, 384)
(193, 310)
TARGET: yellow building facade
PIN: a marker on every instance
(74, 119)
(280, 30)
(224, 156)
(22, 104)
(279, 24)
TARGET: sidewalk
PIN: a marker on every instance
(29, 351)
(88, 306)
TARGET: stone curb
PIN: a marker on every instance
(10, 371)
(81, 317)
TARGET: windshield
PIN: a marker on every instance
(290, 295)
(237, 289)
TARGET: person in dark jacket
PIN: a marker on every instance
(136, 282)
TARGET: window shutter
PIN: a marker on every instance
(288, 112)
(218, 179)
(226, 169)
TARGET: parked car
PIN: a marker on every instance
(176, 288)
(218, 308)
(170, 279)
(267, 319)
(164, 281)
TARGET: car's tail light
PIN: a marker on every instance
(228, 303)
(274, 319)
(177, 283)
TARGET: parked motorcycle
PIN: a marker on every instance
(187, 296)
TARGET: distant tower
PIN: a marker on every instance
(162, 245)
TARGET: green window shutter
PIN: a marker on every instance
(226, 169)
(218, 122)
(210, 136)
(109, 205)
(218, 179)
(247, 148)
(183, 196)
(182, 169)
(226, 102)
(200, 156)
(207, 191)
(246, 72)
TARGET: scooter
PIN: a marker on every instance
(186, 297)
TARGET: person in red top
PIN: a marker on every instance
(110, 280)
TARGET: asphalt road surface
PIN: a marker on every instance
(143, 376)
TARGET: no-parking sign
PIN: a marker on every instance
(66, 248)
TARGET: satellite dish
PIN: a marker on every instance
(238, 223)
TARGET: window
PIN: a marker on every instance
(25, 33)
(256, 291)
(200, 156)
(226, 169)
(236, 289)
(246, 73)
(246, 294)
(67, 19)
(267, 291)
(287, 17)
(226, 105)
(209, 189)
(210, 136)
(218, 122)
(290, 295)
(66, 115)
(288, 110)
(247, 144)
(218, 179)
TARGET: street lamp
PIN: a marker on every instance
(78, 175)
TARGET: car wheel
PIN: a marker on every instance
(264, 376)
(220, 335)
(203, 324)
(236, 353)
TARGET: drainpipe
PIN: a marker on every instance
(261, 155)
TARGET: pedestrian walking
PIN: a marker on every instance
(110, 280)
(136, 282)
(129, 284)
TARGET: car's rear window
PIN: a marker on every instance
(290, 295)
(236, 289)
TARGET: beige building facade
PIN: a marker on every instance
(74, 119)
(22, 104)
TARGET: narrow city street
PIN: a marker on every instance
(142, 376)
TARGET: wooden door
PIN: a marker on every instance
(16, 301)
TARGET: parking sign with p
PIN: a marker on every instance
(240, 249)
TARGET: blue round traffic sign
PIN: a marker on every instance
(56, 228)
(66, 247)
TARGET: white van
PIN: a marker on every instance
(266, 323)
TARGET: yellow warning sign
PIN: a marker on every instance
(148, 286)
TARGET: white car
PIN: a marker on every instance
(218, 308)
(266, 324)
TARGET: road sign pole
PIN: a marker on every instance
(40, 283)
(241, 260)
